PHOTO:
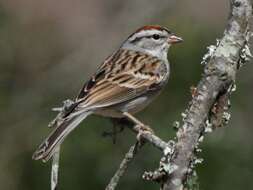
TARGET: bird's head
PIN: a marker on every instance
(152, 39)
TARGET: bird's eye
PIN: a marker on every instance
(156, 37)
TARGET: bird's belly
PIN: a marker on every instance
(132, 107)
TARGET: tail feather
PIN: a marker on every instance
(47, 148)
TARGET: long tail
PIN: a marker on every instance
(47, 148)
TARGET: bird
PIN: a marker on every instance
(124, 84)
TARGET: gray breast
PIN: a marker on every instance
(164, 72)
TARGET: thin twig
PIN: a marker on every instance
(55, 168)
(123, 166)
(150, 137)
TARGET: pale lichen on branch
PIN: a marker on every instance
(213, 91)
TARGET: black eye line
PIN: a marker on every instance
(151, 36)
(156, 36)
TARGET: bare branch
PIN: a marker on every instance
(219, 75)
(55, 168)
(145, 136)
(123, 166)
(150, 137)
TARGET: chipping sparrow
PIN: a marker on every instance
(124, 84)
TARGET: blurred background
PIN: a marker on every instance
(48, 50)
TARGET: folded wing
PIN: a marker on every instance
(120, 79)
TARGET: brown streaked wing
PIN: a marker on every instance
(122, 80)
(101, 73)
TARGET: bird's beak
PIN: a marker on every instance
(173, 39)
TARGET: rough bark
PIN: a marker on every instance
(219, 75)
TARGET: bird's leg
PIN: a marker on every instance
(114, 131)
(114, 134)
(143, 128)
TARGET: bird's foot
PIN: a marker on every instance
(143, 129)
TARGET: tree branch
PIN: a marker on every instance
(55, 169)
(123, 166)
(145, 136)
(150, 137)
(219, 75)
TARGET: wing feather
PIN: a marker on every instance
(124, 78)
